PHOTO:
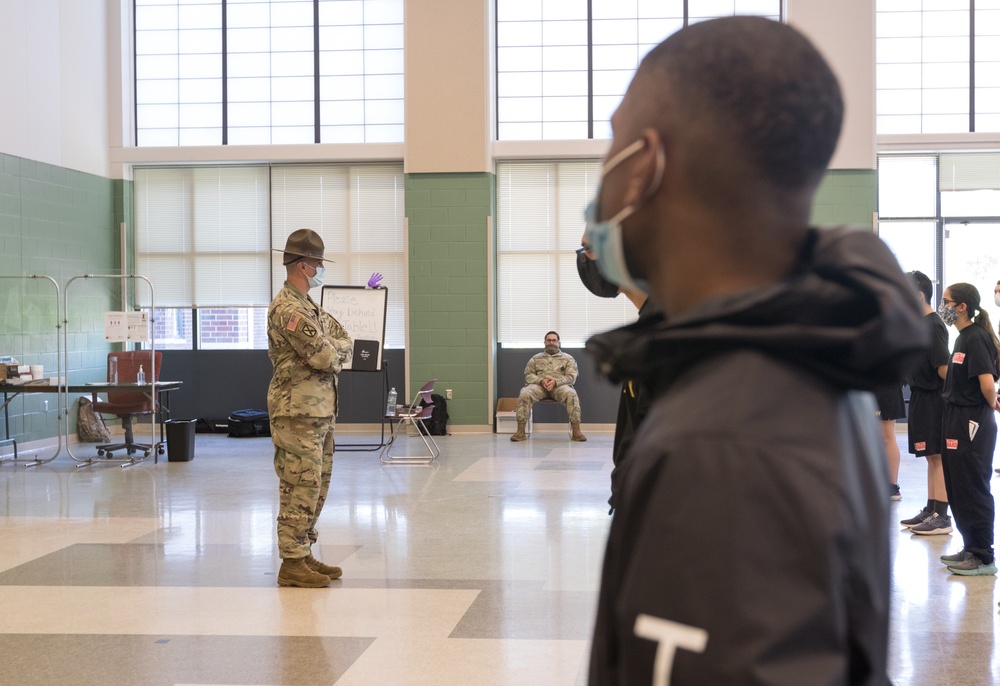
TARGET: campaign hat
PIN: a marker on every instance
(302, 243)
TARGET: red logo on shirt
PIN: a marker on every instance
(920, 446)
(951, 443)
(958, 358)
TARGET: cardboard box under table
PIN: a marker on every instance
(507, 417)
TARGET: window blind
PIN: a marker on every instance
(970, 171)
(358, 210)
(540, 225)
(202, 235)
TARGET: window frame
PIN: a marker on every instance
(924, 93)
(687, 13)
(325, 64)
(352, 254)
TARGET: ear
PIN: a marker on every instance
(648, 173)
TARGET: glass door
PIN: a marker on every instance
(972, 255)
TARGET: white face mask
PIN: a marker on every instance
(996, 299)
(317, 280)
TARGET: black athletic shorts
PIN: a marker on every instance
(890, 403)
(924, 423)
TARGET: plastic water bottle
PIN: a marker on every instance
(390, 406)
(140, 378)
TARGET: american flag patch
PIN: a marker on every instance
(293, 323)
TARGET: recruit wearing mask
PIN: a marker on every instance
(605, 238)
(947, 313)
(592, 278)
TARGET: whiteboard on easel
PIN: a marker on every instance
(361, 311)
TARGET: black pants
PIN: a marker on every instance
(968, 469)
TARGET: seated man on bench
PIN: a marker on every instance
(549, 375)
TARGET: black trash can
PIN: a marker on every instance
(180, 439)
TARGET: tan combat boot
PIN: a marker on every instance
(519, 435)
(294, 572)
(577, 434)
(327, 570)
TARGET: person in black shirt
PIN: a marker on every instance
(634, 401)
(996, 298)
(926, 411)
(970, 430)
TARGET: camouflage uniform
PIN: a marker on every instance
(562, 368)
(307, 347)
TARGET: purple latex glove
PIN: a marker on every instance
(374, 280)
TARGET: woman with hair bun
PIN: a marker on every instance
(969, 427)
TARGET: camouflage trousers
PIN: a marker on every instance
(533, 392)
(303, 461)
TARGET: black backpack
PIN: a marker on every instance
(437, 425)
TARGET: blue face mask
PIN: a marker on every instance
(317, 280)
(605, 238)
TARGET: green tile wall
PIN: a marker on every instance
(61, 223)
(846, 196)
(449, 253)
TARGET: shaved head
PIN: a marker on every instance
(749, 89)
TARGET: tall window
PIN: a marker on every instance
(940, 213)
(563, 65)
(204, 237)
(937, 66)
(539, 226)
(240, 72)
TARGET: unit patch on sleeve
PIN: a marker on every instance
(309, 330)
(293, 322)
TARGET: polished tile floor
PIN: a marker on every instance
(479, 569)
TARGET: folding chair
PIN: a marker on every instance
(413, 415)
(553, 401)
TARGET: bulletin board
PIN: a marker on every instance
(361, 311)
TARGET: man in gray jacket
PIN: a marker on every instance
(750, 544)
(549, 374)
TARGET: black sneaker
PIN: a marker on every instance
(894, 493)
(933, 525)
(919, 519)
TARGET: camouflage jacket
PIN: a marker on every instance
(307, 347)
(561, 367)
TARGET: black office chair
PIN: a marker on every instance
(126, 404)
